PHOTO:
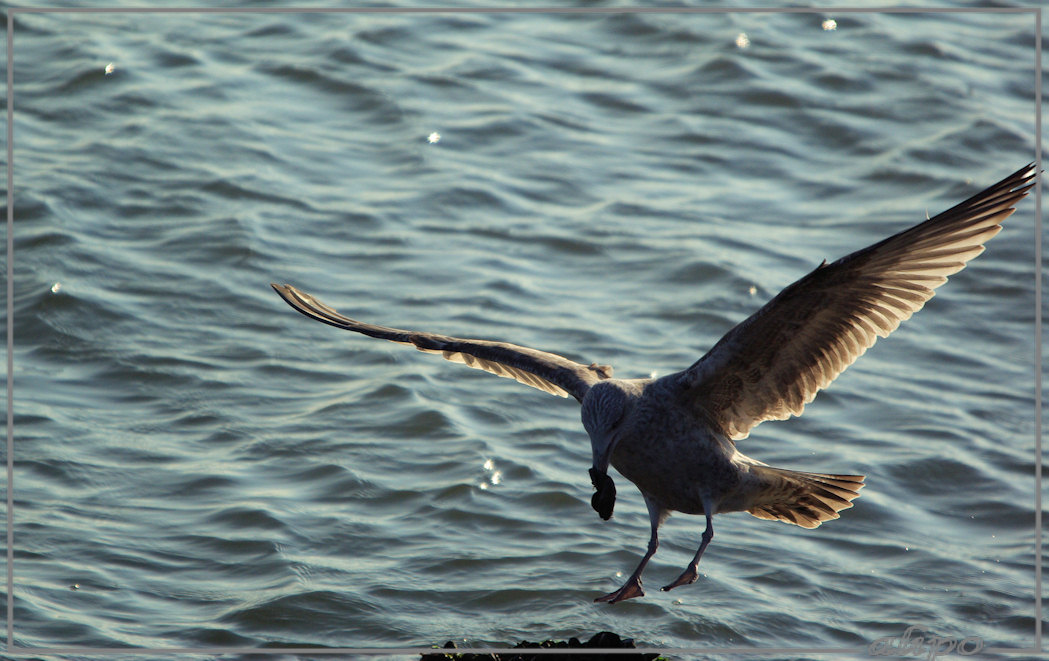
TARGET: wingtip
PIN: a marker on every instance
(286, 292)
(1027, 174)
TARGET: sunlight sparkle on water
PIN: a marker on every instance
(433, 138)
(495, 478)
(742, 40)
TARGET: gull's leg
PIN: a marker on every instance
(632, 587)
(692, 571)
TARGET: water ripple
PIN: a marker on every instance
(198, 466)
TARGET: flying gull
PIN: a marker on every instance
(674, 437)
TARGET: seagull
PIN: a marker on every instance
(675, 436)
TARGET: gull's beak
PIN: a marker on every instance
(604, 500)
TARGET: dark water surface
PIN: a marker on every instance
(213, 470)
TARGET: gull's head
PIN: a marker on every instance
(605, 408)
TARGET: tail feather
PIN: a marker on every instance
(804, 499)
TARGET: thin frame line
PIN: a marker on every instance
(10, 331)
(374, 651)
(526, 10)
(25, 651)
(1038, 332)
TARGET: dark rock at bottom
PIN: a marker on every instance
(600, 641)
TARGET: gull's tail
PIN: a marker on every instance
(804, 499)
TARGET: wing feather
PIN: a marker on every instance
(773, 363)
(548, 372)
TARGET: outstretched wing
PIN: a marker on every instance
(773, 363)
(546, 371)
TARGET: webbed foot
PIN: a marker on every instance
(630, 590)
(688, 576)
